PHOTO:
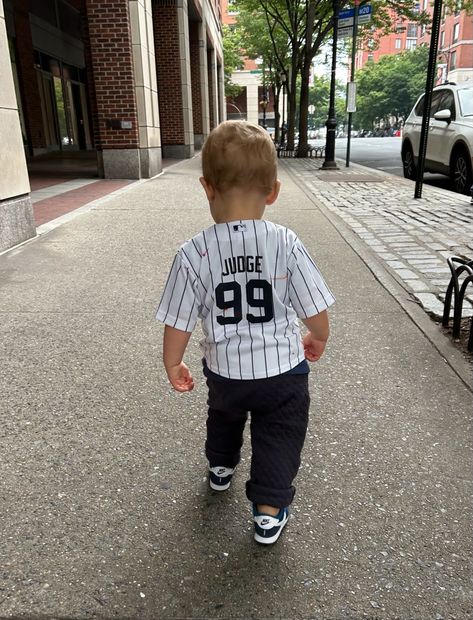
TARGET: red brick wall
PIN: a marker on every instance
(111, 69)
(166, 41)
(31, 102)
(195, 77)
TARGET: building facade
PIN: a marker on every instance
(132, 80)
(455, 56)
(255, 103)
(405, 37)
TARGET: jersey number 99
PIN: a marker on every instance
(264, 301)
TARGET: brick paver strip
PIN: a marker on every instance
(42, 182)
(386, 217)
(51, 208)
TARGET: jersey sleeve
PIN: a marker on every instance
(308, 292)
(179, 304)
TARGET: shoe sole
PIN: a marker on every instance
(219, 487)
(269, 541)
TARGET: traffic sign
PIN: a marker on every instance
(346, 17)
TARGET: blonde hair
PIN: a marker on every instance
(239, 154)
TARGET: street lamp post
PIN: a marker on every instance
(331, 123)
(264, 104)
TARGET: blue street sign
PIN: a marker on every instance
(346, 16)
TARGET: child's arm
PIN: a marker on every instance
(315, 341)
(174, 345)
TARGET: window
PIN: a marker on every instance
(442, 39)
(400, 27)
(456, 32)
(448, 103)
(398, 44)
(411, 44)
(231, 7)
(458, 7)
(466, 101)
(426, 5)
(370, 57)
(436, 97)
(453, 61)
(419, 109)
(412, 31)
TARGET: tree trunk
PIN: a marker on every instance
(291, 104)
(303, 146)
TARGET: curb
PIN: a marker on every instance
(449, 352)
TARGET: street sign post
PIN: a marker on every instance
(351, 97)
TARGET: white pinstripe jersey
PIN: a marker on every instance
(247, 281)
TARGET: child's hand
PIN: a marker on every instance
(180, 378)
(313, 348)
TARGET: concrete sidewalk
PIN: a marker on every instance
(104, 506)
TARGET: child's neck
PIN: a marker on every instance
(237, 205)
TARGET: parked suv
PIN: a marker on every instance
(450, 138)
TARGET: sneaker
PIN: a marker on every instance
(220, 478)
(269, 528)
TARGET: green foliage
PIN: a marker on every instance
(232, 59)
(319, 93)
(390, 87)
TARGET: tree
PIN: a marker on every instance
(390, 87)
(303, 26)
(232, 59)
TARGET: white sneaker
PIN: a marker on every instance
(269, 528)
(220, 478)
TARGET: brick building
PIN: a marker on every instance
(455, 58)
(247, 105)
(133, 80)
(405, 37)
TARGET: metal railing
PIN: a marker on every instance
(312, 151)
(457, 289)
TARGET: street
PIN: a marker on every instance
(381, 154)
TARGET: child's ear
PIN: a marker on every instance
(209, 190)
(272, 196)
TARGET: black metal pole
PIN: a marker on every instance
(352, 75)
(283, 110)
(429, 84)
(331, 124)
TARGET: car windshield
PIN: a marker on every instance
(466, 101)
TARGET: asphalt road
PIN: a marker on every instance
(383, 154)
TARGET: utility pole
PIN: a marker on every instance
(351, 86)
(331, 124)
(434, 42)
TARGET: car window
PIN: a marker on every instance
(436, 98)
(447, 102)
(466, 101)
(419, 109)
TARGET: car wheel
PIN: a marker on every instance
(408, 163)
(461, 173)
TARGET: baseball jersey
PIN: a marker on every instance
(247, 281)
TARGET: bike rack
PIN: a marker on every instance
(457, 267)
